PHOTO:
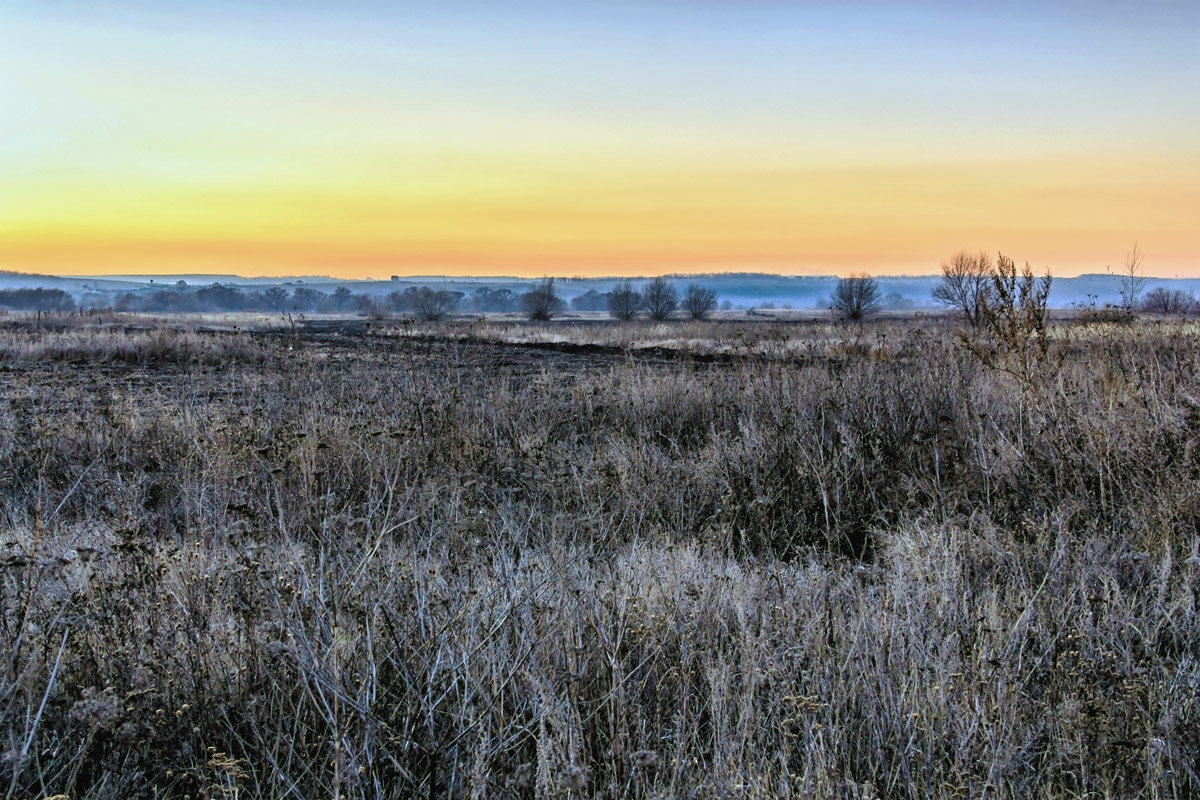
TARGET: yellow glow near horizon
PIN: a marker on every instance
(269, 139)
(1070, 217)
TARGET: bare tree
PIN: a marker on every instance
(661, 299)
(856, 297)
(1133, 281)
(431, 304)
(624, 301)
(699, 301)
(541, 303)
(966, 281)
(398, 301)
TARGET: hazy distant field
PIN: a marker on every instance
(253, 557)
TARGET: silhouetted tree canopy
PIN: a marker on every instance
(499, 300)
(591, 300)
(36, 300)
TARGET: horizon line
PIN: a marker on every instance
(149, 276)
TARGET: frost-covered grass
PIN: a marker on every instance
(440, 565)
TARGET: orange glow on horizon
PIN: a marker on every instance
(1070, 217)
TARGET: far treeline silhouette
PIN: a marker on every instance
(36, 300)
(968, 283)
(659, 300)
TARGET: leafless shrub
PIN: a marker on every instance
(624, 301)
(856, 297)
(699, 301)
(542, 303)
(1015, 314)
(431, 304)
(660, 299)
(1161, 300)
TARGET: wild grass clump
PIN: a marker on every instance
(78, 344)
(412, 566)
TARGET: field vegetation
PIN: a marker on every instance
(365, 558)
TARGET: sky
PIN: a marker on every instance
(365, 139)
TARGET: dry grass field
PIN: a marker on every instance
(368, 559)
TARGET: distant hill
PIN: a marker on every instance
(75, 285)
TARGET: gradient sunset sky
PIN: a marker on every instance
(366, 139)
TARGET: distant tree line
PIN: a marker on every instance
(423, 301)
(36, 300)
(217, 297)
(658, 299)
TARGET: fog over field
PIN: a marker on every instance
(741, 290)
